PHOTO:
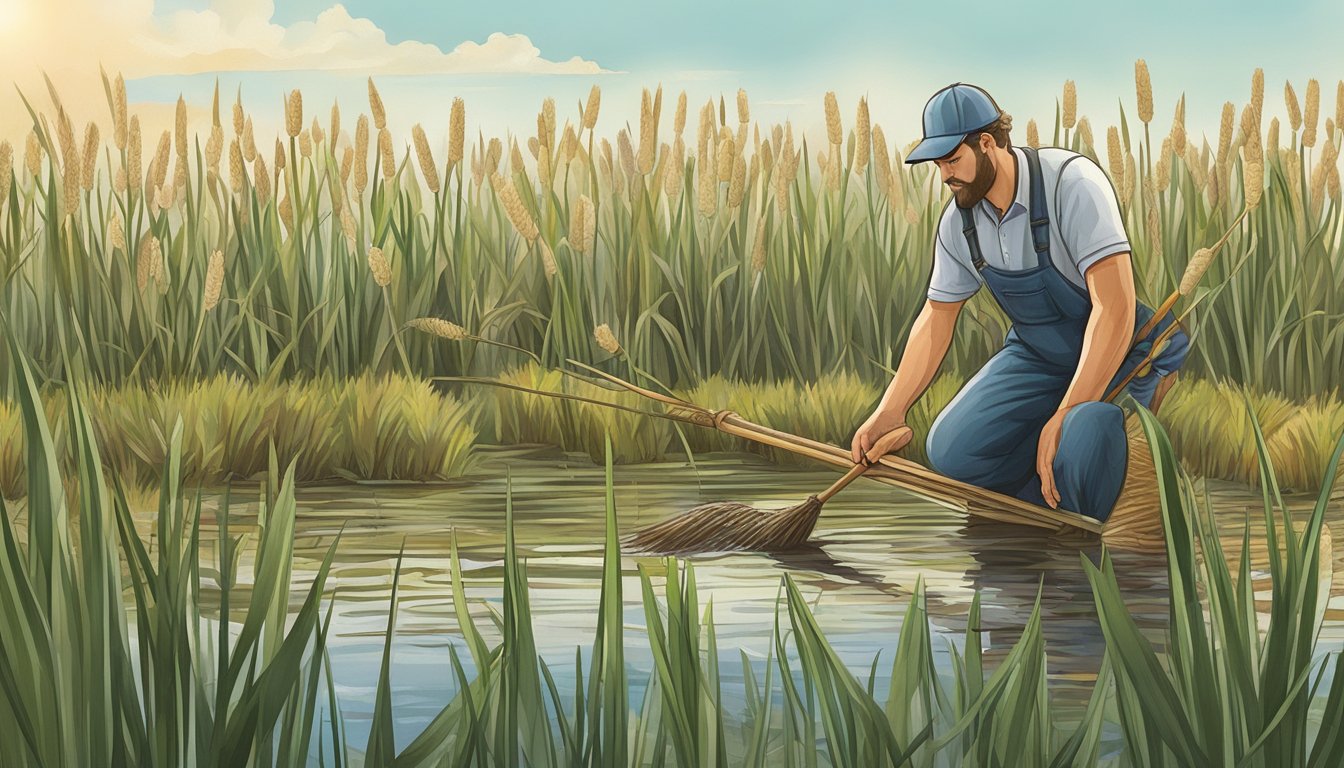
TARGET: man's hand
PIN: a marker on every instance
(877, 425)
(1045, 456)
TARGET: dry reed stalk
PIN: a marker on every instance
(705, 130)
(249, 141)
(439, 327)
(378, 266)
(263, 182)
(1033, 135)
(833, 129)
(606, 339)
(457, 131)
(119, 181)
(348, 227)
(1294, 108)
(544, 169)
(516, 165)
(494, 151)
(376, 107)
(863, 139)
(119, 124)
(214, 280)
(133, 146)
(592, 107)
(1339, 104)
(388, 160)
(758, 246)
(1253, 182)
(70, 188)
(1070, 108)
(1312, 113)
(426, 157)
(548, 264)
(1143, 86)
(90, 156)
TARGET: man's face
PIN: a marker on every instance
(968, 172)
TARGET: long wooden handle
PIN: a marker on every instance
(891, 441)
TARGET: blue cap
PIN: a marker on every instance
(952, 113)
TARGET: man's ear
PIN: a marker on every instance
(986, 143)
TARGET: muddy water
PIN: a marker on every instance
(872, 544)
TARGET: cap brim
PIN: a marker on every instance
(934, 147)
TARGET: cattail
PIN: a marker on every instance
(90, 156)
(1163, 172)
(347, 162)
(548, 265)
(348, 226)
(1178, 138)
(376, 107)
(590, 111)
(70, 184)
(426, 157)
(286, 211)
(1113, 152)
(1194, 165)
(606, 339)
(1085, 132)
(544, 169)
(1127, 178)
(263, 182)
(1332, 183)
(305, 144)
(156, 264)
(294, 113)
(516, 157)
(648, 133)
(66, 136)
(279, 155)
(679, 120)
(133, 154)
(1194, 271)
(547, 124)
(115, 233)
(705, 129)
(1272, 134)
(581, 220)
(758, 247)
(533, 145)
(388, 161)
(1294, 110)
(1144, 86)
(1225, 131)
(675, 167)
(119, 181)
(361, 153)
(707, 191)
(238, 114)
(1070, 104)
(515, 208)
(737, 183)
(493, 152)
(627, 153)
(249, 141)
(724, 162)
(1033, 136)
(1154, 224)
(145, 257)
(457, 131)
(1253, 182)
(214, 280)
(1339, 104)
(1312, 113)
(119, 125)
(382, 272)
(881, 159)
(214, 148)
(833, 129)
(863, 137)
(161, 159)
(334, 130)
(235, 167)
(180, 126)
(1318, 177)
(439, 327)
(1258, 91)
(32, 154)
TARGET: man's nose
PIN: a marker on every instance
(944, 172)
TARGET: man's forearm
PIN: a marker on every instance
(1110, 328)
(930, 336)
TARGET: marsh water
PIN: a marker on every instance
(872, 544)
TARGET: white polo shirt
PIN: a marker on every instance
(1085, 226)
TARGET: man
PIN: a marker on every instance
(1043, 231)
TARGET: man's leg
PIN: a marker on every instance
(1090, 463)
(986, 435)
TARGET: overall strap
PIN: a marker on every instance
(972, 242)
(1040, 216)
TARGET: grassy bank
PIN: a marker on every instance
(753, 253)
(234, 682)
(391, 427)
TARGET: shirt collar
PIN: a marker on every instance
(1022, 199)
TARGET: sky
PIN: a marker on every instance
(503, 58)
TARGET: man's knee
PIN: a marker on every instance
(1092, 419)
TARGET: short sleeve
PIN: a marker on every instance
(953, 279)
(1089, 215)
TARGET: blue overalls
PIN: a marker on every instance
(988, 433)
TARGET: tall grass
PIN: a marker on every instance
(247, 682)
(734, 251)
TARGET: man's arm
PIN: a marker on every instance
(925, 347)
(1110, 328)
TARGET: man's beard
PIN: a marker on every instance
(968, 194)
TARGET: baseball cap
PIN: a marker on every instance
(952, 113)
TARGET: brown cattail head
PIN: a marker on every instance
(249, 141)
(305, 143)
(1339, 104)
(180, 126)
(238, 113)
(334, 127)
(724, 162)
(361, 169)
(263, 181)
(214, 148)
(626, 153)
(590, 111)
(834, 132)
(1225, 131)
(674, 168)
(279, 155)
(1070, 107)
(119, 124)
(161, 159)
(1144, 87)
(439, 327)
(115, 233)
(515, 208)
(1033, 135)
(863, 151)
(387, 160)
(493, 152)
(426, 157)
(881, 158)
(347, 163)
(315, 130)
(1258, 90)
(376, 107)
(378, 266)
(1312, 113)
(145, 256)
(457, 131)
(679, 120)
(707, 189)
(1272, 135)
(1178, 137)
(133, 143)
(1114, 153)
(1253, 182)
(737, 182)
(1294, 109)
(89, 156)
(1163, 170)
(294, 113)
(214, 280)
(758, 246)
(606, 339)
(582, 225)
(547, 124)
(648, 133)
(1194, 271)
(1085, 133)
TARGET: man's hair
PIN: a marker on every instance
(998, 130)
